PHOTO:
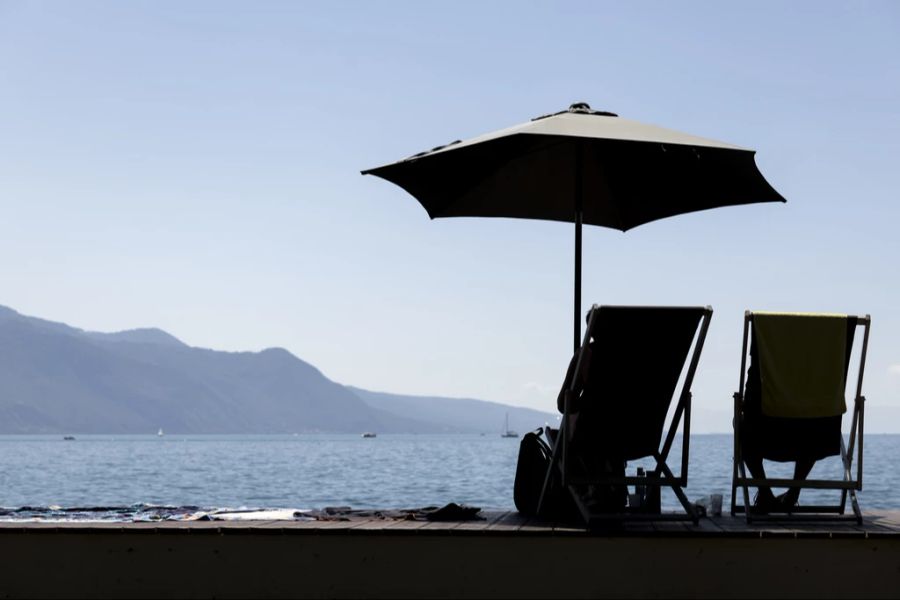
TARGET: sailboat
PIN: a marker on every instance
(507, 432)
(160, 433)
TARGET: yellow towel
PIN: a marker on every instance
(802, 361)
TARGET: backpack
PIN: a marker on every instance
(531, 470)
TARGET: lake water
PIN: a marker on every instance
(316, 471)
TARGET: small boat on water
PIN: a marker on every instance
(369, 434)
(69, 438)
(507, 432)
(160, 433)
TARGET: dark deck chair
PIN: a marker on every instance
(638, 355)
(791, 404)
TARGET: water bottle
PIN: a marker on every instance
(640, 491)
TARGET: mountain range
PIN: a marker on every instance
(55, 378)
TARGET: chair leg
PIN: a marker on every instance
(855, 504)
(583, 509)
(847, 462)
(542, 502)
(554, 459)
(688, 507)
(746, 492)
(734, 491)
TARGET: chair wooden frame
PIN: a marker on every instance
(848, 485)
(662, 475)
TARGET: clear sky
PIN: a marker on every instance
(195, 166)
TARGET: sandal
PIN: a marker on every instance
(764, 502)
(785, 504)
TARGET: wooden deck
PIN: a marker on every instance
(504, 555)
(875, 525)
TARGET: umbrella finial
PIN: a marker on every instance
(583, 108)
(578, 108)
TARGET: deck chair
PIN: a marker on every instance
(790, 407)
(637, 356)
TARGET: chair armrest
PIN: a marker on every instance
(738, 404)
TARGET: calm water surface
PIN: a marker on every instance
(315, 471)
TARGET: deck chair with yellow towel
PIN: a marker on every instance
(790, 408)
(615, 402)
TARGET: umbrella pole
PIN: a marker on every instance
(577, 327)
(579, 217)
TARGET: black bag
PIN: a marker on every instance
(531, 469)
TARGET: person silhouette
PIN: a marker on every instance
(592, 457)
(802, 441)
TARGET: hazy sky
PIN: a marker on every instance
(195, 166)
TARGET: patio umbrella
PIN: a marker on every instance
(580, 166)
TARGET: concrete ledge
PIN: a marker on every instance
(207, 560)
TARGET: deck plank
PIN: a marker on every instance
(537, 525)
(510, 521)
(639, 527)
(375, 524)
(442, 525)
(568, 529)
(296, 525)
(708, 526)
(877, 525)
(406, 525)
(490, 518)
(672, 527)
(338, 524)
(888, 518)
(883, 524)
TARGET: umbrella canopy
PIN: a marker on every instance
(581, 166)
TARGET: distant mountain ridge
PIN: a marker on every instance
(55, 378)
(148, 335)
